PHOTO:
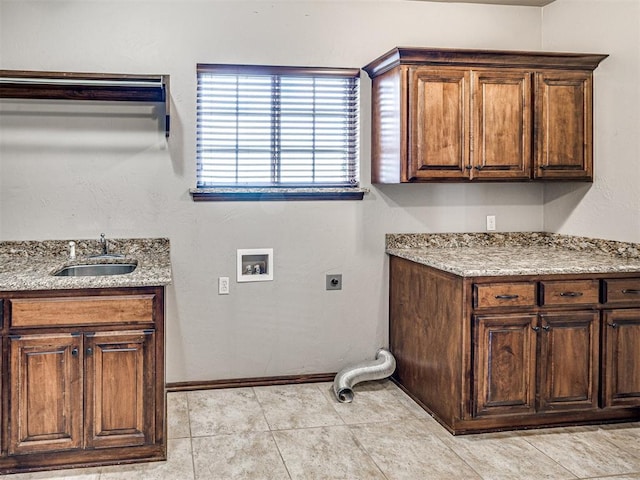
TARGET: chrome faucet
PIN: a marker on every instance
(105, 245)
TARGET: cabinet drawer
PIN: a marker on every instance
(508, 294)
(569, 292)
(622, 290)
(43, 312)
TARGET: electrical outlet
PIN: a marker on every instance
(223, 285)
(334, 281)
(491, 223)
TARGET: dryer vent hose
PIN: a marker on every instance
(382, 367)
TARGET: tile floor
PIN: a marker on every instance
(302, 432)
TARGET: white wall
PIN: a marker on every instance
(610, 208)
(72, 171)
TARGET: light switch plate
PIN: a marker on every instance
(223, 285)
(491, 223)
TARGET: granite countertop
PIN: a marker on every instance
(526, 253)
(29, 265)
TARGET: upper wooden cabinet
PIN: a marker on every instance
(460, 115)
(563, 125)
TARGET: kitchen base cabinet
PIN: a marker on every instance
(568, 361)
(119, 405)
(45, 393)
(500, 353)
(85, 378)
(621, 357)
(504, 369)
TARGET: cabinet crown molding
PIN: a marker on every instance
(481, 58)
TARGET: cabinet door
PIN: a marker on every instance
(568, 361)
(120, 395)
(563, 125)
(501, 134)
(45, 393)
(438, 124)
(504, 364)
(621, 358)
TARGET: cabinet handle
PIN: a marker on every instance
(479, 167)
(546, 328)
(89, 351)
(631, 291)
(507, 297)
(535, 329)
(468, 167)
(74, 352)
(613, 325)
(571, 294)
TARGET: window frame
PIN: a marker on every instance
(283, 191)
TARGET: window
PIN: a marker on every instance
(264, 129)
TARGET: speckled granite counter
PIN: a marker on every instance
(528, 253)
(30, 265)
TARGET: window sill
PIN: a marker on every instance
(222, 194)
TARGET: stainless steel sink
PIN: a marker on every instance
(96, 270)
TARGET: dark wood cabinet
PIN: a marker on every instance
(621, 357)
(120, 404)
(85, 379)
(505, 364)
(466, 124)
(438, 113)
(467, 115)
(550, 357)
(568, 360)
(564, 125)
(45, 393)
(501, 130)
(498, 353)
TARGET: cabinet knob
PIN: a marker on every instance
(546, 328)
(89, 351)
(535, 329)
(613, 325)
(74, 352)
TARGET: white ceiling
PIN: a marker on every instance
(531, 3)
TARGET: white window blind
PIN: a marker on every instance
(277, 126)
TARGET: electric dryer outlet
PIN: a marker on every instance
(334, 281)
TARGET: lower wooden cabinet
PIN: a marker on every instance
(505, 365)
(79, 393)
(520, 358)
(568, 361)
(498, 353)
(118, 378)
(46, 388)
(621, 357)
